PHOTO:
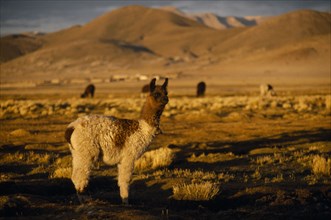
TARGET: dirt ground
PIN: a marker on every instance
(269, 157)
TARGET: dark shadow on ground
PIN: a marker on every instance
(244, 147)
(155, 199)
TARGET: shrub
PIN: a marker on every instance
(201, 191)
(264, 160)
(197, 174)
(156, 158)
(321, 165)
(61, 172)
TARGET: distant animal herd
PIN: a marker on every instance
(266, 90)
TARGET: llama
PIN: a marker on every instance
(89, 90)
(201, 89)
(117, 141)
(266, 90)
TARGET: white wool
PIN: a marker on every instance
(94, 135)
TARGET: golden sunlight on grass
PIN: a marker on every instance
(28, 158)
(201, 191)
(321, 165)
(62, 168)
(162, 157)
(62, 172)
(212, 157)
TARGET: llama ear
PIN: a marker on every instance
(152, 85)
(165, 84)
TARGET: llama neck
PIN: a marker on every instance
(151, 114)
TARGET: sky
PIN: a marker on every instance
(17, 16)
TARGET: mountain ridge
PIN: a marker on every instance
(215, 21)
(137, 37)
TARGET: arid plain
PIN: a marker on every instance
(229, 154)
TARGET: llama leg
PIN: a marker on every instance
(81, 168)
(125, 169)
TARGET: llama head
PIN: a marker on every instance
(155, 103)
(158, 95)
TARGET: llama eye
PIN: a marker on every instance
(157, 95)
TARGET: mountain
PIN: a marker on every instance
(217, 22)
(136, 38)
(124, 38)
(283, 31)
(17, 45)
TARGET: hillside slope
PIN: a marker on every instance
(152, 40)
(14, 46)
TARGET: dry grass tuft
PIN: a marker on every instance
(63, 168)
(257, 174)
(61, 172)
(201, 191)
(212, 157)
(279, 178)
(264, 160)
(162, 157)
(321, 165)
(28, 158)
(271, 159)
(225, 177)
(197, 174)
(20, 133)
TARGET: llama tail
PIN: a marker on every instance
(70, 129)
(68, 133)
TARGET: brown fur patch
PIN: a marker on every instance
(68, 133)
(125, 128)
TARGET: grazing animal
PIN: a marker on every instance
(266, 90)
(201, 89)
(116, 141)
(89, 90)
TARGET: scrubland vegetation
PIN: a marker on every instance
(186, 107)
(243, 156)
